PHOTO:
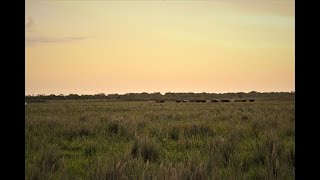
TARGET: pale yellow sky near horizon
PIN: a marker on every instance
(89, 47)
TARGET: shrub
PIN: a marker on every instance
(222, 149)
(114, 127)
(90, 148)
(145, 148)
(50, 159)
(47, 163)
(194, 169)
(174, 133)
(272, 151)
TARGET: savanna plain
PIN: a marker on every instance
(101, 139)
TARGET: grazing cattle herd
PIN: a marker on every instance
(203, 101)
(193, 100)
(224, 100)
(240, 100)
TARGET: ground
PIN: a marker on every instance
(100, 139)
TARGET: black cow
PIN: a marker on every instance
(240, 100)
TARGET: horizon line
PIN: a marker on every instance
(45, 94)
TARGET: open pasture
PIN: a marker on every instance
(86, 139)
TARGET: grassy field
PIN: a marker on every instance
(144, 140)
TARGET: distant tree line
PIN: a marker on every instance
(167, 96)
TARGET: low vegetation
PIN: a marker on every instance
(89, 139)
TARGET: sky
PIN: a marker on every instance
(105, 46)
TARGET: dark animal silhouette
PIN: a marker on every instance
(240, 100)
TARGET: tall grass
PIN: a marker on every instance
(142, 140)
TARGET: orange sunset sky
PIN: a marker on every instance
(89, 47)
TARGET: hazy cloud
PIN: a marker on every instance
(33, 40)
